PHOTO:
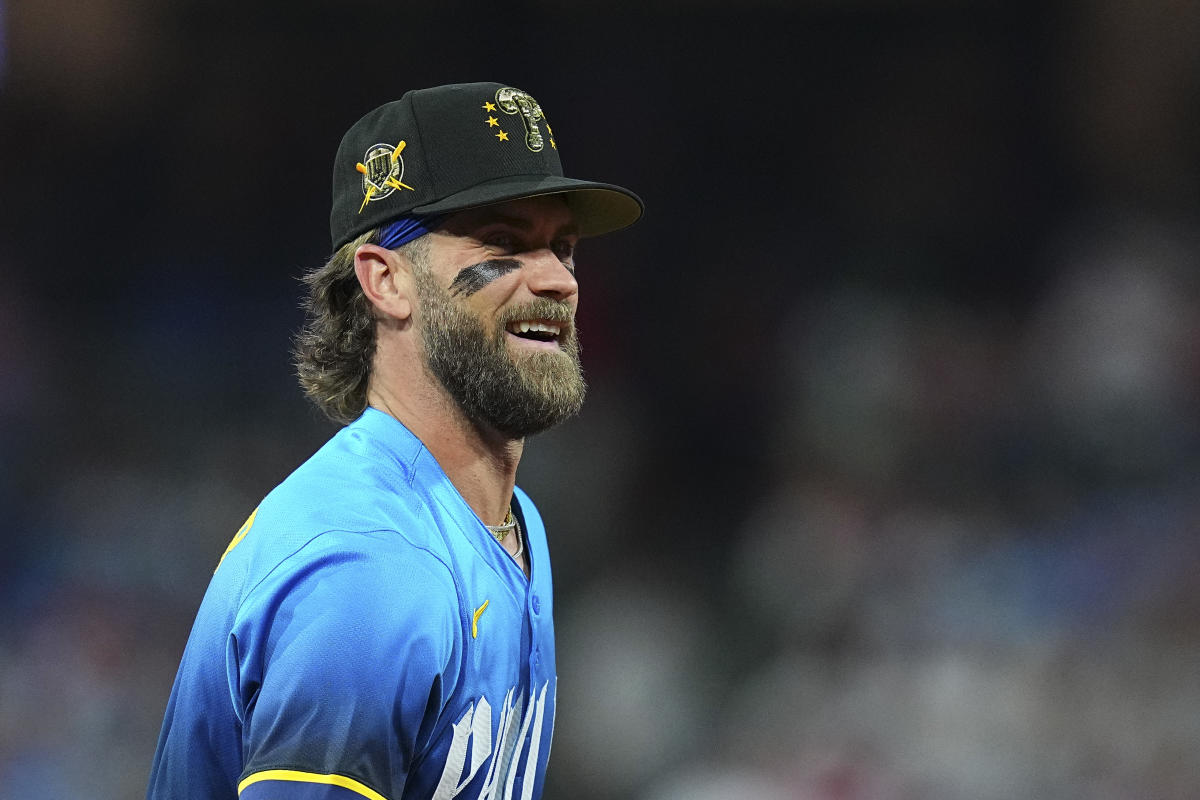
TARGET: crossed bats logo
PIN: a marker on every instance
(382, 171)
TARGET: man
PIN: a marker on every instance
(381, 626)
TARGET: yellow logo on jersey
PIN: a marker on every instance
(237, 537)
(475, 620)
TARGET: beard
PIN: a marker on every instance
(517, 395)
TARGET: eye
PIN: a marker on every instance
(564, 249)
(501, 240)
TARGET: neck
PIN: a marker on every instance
(479, 461)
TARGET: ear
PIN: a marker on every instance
(386, 280)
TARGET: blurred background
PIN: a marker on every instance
(887, 485)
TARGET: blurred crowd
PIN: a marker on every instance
(887, 484)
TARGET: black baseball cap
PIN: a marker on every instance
(440, 150)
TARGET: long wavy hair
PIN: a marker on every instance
(334, 349)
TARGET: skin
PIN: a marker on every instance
(537, 233)
(471, 279)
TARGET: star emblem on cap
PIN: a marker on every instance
(489, 106)
(502, 136)
(493, 122)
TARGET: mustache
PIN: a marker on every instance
(543, 309)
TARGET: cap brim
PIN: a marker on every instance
(597, 207)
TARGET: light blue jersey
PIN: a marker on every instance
(365, 636)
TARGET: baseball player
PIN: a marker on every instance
(381, 625)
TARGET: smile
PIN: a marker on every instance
(536, 332)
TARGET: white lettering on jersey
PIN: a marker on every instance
(535, 745)
(475, 730)
(508, 745)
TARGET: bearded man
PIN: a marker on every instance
(381, 626)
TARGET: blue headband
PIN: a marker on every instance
(401, 231)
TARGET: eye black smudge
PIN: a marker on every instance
(471, 279)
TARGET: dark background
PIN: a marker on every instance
(886, 486)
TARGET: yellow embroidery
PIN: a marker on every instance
(502, 136)
(378, 176)
(237, 537)
(475, 621)
(489, 106)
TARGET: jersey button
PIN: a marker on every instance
(537, 605)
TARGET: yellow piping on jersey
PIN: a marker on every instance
(237, 537)
(310, 777)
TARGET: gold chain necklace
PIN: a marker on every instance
(500, 532)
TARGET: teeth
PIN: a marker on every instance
(540, 327)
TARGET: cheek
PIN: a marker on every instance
(478, 276)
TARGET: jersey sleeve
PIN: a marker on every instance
(338, 665)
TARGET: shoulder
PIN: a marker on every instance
(344, 574)
(350, 479)
(357, 483)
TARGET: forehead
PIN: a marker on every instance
(545, 214)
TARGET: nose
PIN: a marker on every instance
(549, 277)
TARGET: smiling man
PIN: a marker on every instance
(381, 626)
